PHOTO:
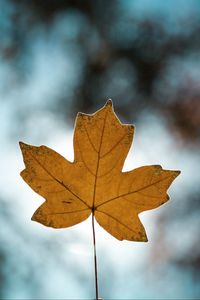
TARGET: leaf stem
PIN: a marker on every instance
(95, 258)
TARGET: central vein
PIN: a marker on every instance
(98, 161)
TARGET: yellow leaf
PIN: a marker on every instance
(94, 182)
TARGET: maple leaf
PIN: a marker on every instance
(94, 182)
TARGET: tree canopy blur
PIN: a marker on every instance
(115, 52)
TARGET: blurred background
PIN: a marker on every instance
(61, 57)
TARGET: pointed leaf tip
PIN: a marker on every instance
(109, 102)
(176, 173)
(33, 218)
(132, 127)
(144, 239)
(22, 145)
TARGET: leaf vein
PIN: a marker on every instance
(66, 212)
(133, 192)
(117, 220)
(83, 160)
(115, 145)
(60, 182)
(90, 140)
(97, 168)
